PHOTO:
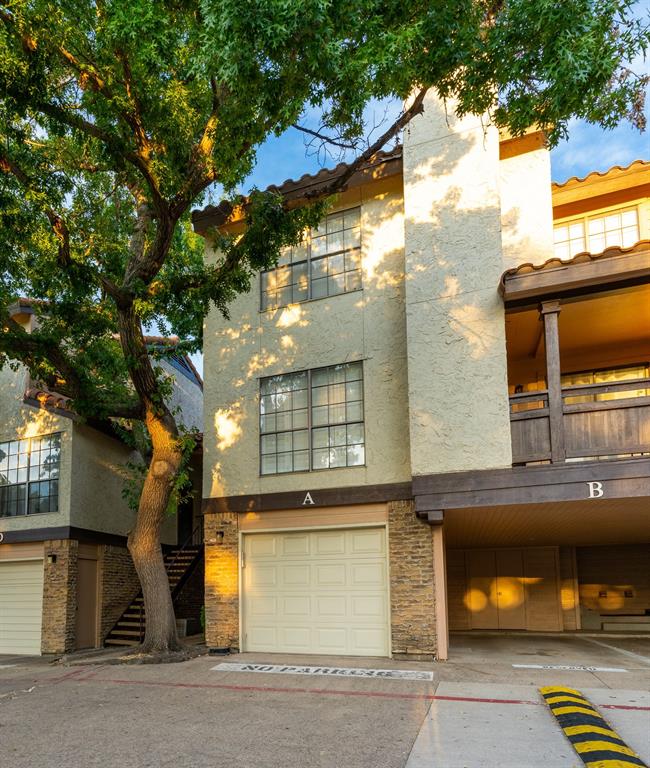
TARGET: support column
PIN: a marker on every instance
(222, 581)
(413, 625)
(455, 322)
(440, 586)
(59, 596)
(550, 312)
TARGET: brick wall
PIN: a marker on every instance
(221, 580)
(411, 581)
(118, 585)
(59, 596)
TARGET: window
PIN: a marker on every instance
(569, 239)
(312, 420)
(604, 376)
(595, 233)
(326, 263)
(620, 228)
(29, 472)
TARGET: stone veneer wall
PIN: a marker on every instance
(119, 584)
(59, 596)
(412, 593)
(221, 580)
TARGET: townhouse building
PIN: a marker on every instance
(434, 414)
(66, 576)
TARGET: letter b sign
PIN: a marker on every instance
(595, 489)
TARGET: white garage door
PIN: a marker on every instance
(21, 606)
(316, 592)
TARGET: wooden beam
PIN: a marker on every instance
(318, 497)
(623, 478)
(550, 311)
(629, 267)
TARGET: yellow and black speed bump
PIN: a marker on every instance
(593, 738)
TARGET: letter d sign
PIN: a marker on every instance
(595, 489)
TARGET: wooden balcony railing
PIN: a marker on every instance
(607, 419)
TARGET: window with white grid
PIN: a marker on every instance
(569, 239)
(326, 263)
(620, 228)
(29, 475)
(312, 420)
(596, 233)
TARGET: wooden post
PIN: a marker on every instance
(550, 311)
(440, 587)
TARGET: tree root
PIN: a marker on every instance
(141, 655)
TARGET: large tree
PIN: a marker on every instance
(116, 117)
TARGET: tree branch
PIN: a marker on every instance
(88, 76)
(338, 184)
(323, 137)
(58, 224)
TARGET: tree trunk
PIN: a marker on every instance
(144, 540)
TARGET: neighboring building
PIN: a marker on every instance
(422, 420)
(65, 573)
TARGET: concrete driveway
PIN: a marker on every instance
(477, 711)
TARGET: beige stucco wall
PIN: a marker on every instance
(18, 420)
(97, 483)
(526, 208)
(455, 318)
(433, 341)
(366, 325)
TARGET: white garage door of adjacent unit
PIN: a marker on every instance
(316, 592)
(21, 606)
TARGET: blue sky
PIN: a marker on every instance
(588, 148)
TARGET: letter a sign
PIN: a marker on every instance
(595, 489)
(308, 499)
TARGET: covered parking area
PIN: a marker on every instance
(550, 567)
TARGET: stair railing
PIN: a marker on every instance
(189, 541)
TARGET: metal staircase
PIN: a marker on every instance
(130, 627)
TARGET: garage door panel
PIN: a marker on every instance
(294, 575)
(369, 607)
(263, 605)
(367, 542)
(263, 546)
(295, 546)
(330, 593)
(295, 639)
(332, 606)
(262, 576)
(21, 606)
(332, 543)
(332, 639)
(332, 574)
(367, 574)
(368, 641)
(296, 605)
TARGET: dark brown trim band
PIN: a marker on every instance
(62, 532)
(527, 485)
(322, 497)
